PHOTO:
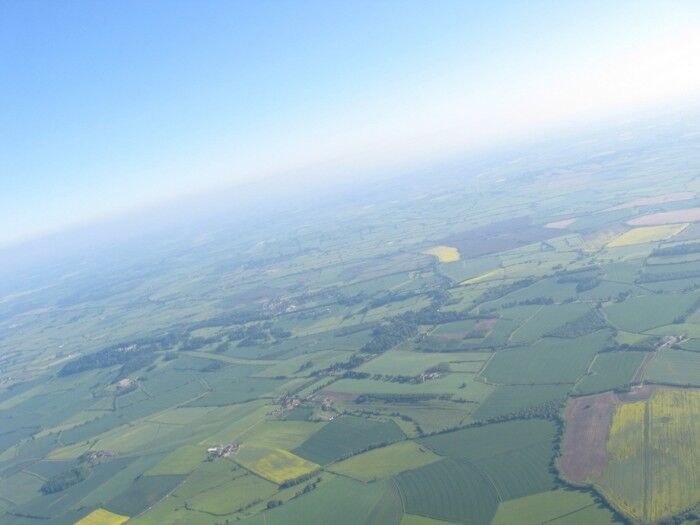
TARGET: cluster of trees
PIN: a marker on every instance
(587, 284)
(110, 356)
(390, 334)
(587, 323)
(504, 289)
(355, 361)
(578, 274)
(585, 278)
(297, 480)
(308, 487)
(649, 344)
(679, 249)
(66, 479)
(408, 399)
(529, 302)
(667, 276)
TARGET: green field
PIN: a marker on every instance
(549, 361)
(359, 379)
(384, 462)
(346, 436)
(610, 370)
(558, 507)
(677, 367)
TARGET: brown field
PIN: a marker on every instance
(659, 199)
(560, 225)
(667, 217)
(588, 421)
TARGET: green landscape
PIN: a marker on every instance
(523, 348)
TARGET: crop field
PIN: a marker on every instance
(677, 367)
(182, 460)
(609, 371)
(449, 490)
(557, 507)
(647, 234)
(346, 436)
(341, 501)
(399, 362)
(545, 320)
(549, 361)
(277, 465)
(644, 312)
(514, 399)
(102, 517)
(418, 356)
(653, 447)
(445, 254)
(385, 462)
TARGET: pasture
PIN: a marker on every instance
(385, 462)
(348, 435)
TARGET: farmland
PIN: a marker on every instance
(516, 352)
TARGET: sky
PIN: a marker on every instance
(108, 106)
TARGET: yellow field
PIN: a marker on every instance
(274, 464)
(445, 254)
(654, 455)
(102, 517)
(647, 234)
(484, 276)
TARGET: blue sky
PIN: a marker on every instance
(105, 106)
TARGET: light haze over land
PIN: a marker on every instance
(108, 107)
(349, 263)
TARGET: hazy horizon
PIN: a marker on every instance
(115, 107)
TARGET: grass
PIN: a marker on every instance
(386, 461)
(448, 490)
(610, 370)
(556, 507)
(285, 434)
(510, 399)
(346, 436)
(549, 361)
(445, 254)
(274, 464)
(102, 517)
(182, 460)
(647, 234)
(231, 496)
(678, 367)
(459, 385)
(401, 362)
(341, 501)
(644, 312)
(546, 319)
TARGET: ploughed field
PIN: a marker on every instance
(525, 350)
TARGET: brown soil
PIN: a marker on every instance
(484, 325)
(649, 201)
(560, 225)
(588, 422)
(667, 217)
(337, 396)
